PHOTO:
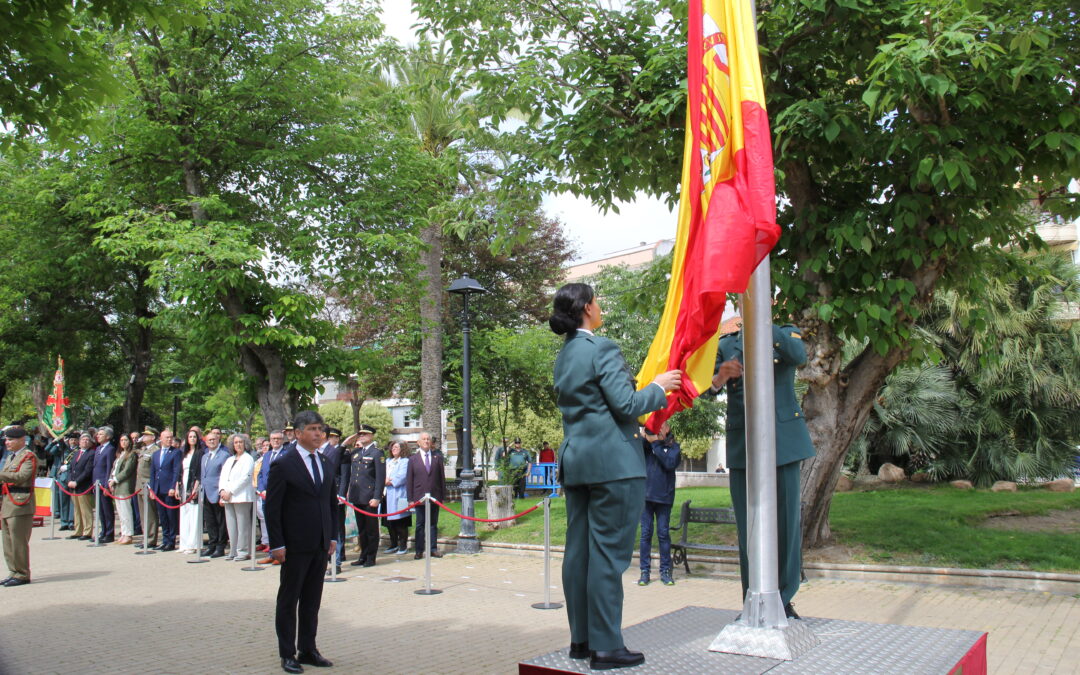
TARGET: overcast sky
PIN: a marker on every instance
(592, 233)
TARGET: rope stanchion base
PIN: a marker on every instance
(254, 567)
(547, 605)
(427, 591)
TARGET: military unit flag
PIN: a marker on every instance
(727, 206)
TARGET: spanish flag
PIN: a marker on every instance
(727, 206)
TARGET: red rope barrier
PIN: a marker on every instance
(155, 498)
(379, 515)
(121, 499)
(72, 494)
(14, 501)
(444, 507)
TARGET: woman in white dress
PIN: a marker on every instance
(237, 493)
(191, 465)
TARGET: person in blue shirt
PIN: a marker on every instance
(662, 457)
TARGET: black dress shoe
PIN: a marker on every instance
(436, 554)
(790, 612)
(205, 553)
(291, 665)
(418, 556)
(10, 583)
(74, 536)
(369, 563)
(217, 554)
(616, 658)
(86, 538)
(313, 658)
(107, 540)
(166, 549)
(357, 563)
(579, 650)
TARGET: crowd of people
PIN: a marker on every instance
(225, 478)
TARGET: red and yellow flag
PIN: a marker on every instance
(727, 207)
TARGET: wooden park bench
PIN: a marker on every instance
(717, 516)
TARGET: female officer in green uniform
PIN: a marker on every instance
(602, 473)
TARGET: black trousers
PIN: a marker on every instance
(170, 521)
(214, 523)
(434, 525)
(298, 600)
(367, 527)
(399, 533)
(106, 517)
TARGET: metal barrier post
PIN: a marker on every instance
(334, 578)
(53, 513)
(199, 525)
(427, 589)
(146, 522)
(95, 538)
(547, 603)
(254, 525)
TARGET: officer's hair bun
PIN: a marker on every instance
(569, 307)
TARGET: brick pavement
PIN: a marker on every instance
(105, 610)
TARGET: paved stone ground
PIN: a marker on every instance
(105, 610)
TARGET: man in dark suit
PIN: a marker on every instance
(301, 517)
(164, 477)
(424, 475)
(103, 461)
(79, 481)
(367, 481)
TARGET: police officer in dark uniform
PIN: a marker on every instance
(367, 479)
(792, 446)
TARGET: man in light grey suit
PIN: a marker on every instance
(213, 509)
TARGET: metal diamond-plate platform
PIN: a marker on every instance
(678, 644)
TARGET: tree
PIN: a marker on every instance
(1016, 363)
(55, 67)
(904, 134)
(249, 162)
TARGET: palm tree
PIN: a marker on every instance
(1020, 364)
(440, 116)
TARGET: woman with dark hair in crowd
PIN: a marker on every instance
(395, 498)
(191, 468)
(122, 484)
(603, 474)
(237, 492)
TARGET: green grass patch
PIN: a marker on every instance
(936, 526)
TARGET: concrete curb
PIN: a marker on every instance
(1023, 580)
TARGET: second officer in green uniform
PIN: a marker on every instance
(792, 446)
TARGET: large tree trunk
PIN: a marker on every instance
(266, 367)
(840, 397)
(431, 341)
(836, 406)
(141, 354)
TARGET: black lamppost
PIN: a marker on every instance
(467, 541)
(176, 383)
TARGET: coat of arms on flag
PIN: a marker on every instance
(727, 205)
(56, 416)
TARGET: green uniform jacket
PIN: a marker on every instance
(125, 475)
(600, 406)
(792, 437)
(18, 472)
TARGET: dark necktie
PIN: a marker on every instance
(314, 470)
(427, 461)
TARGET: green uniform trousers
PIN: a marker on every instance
(788, 528)
(16, 537)
(601, 519)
